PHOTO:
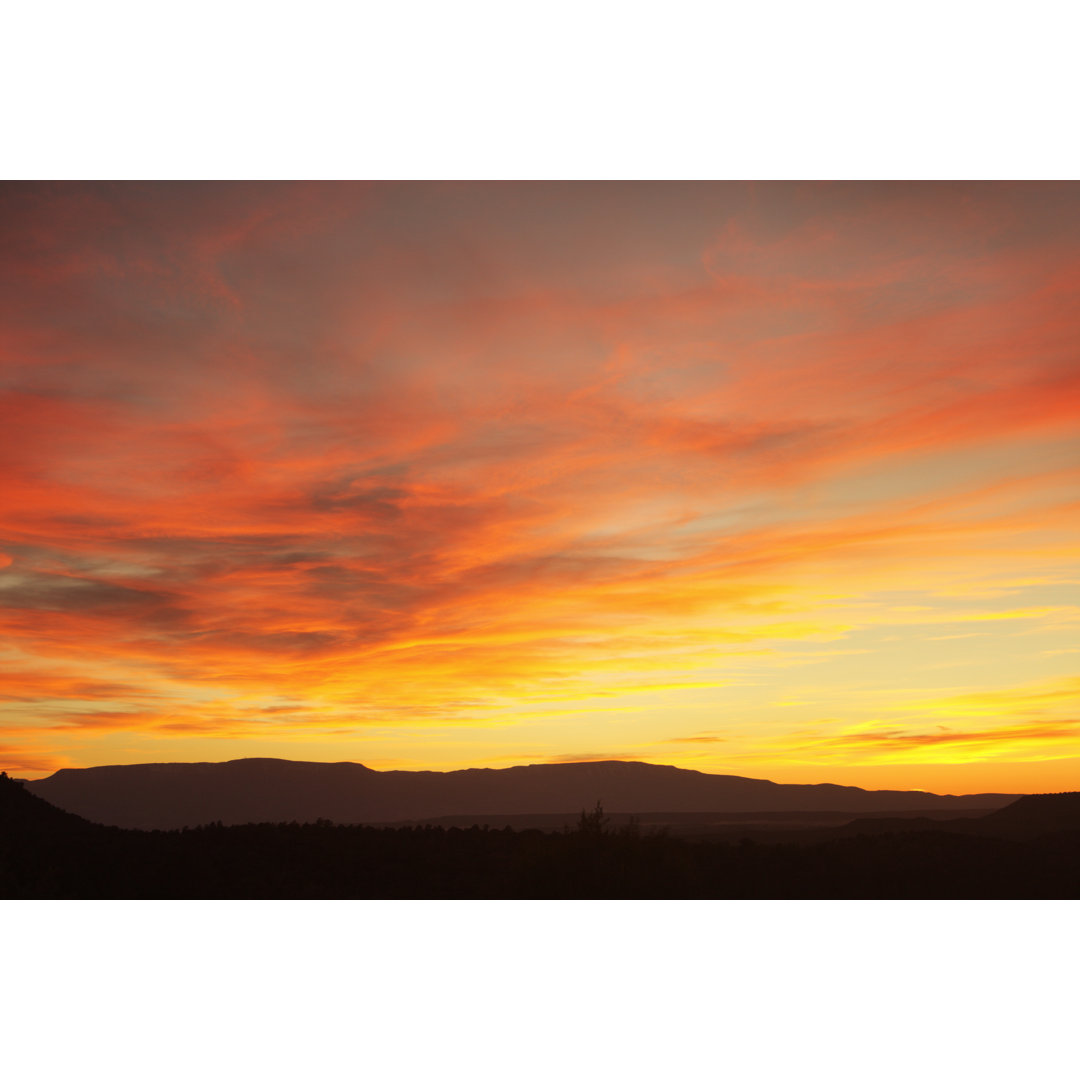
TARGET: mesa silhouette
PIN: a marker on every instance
(174, 795)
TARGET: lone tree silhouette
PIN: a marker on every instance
(594, 823)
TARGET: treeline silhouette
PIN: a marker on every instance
(47, 853)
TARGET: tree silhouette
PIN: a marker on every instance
(594, 823)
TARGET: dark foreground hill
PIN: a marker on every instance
(1032, 815)
(48, 854)
(170, 796)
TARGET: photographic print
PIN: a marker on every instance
(539, 540)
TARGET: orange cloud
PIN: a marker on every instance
(893, 740)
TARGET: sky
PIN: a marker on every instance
(777, 480)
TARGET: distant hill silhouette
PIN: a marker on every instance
(1027, 817)
(169, 796)
(1031, 815)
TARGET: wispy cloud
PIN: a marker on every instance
(698, 739)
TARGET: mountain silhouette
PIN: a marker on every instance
(1032, 815)
(170, 796)
(1032, 852)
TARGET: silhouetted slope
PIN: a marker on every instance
(1031, 815)
(24, 812)
(267, 789)
(1027, 817)
(47, 853)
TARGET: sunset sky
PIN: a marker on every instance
(778, 480)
